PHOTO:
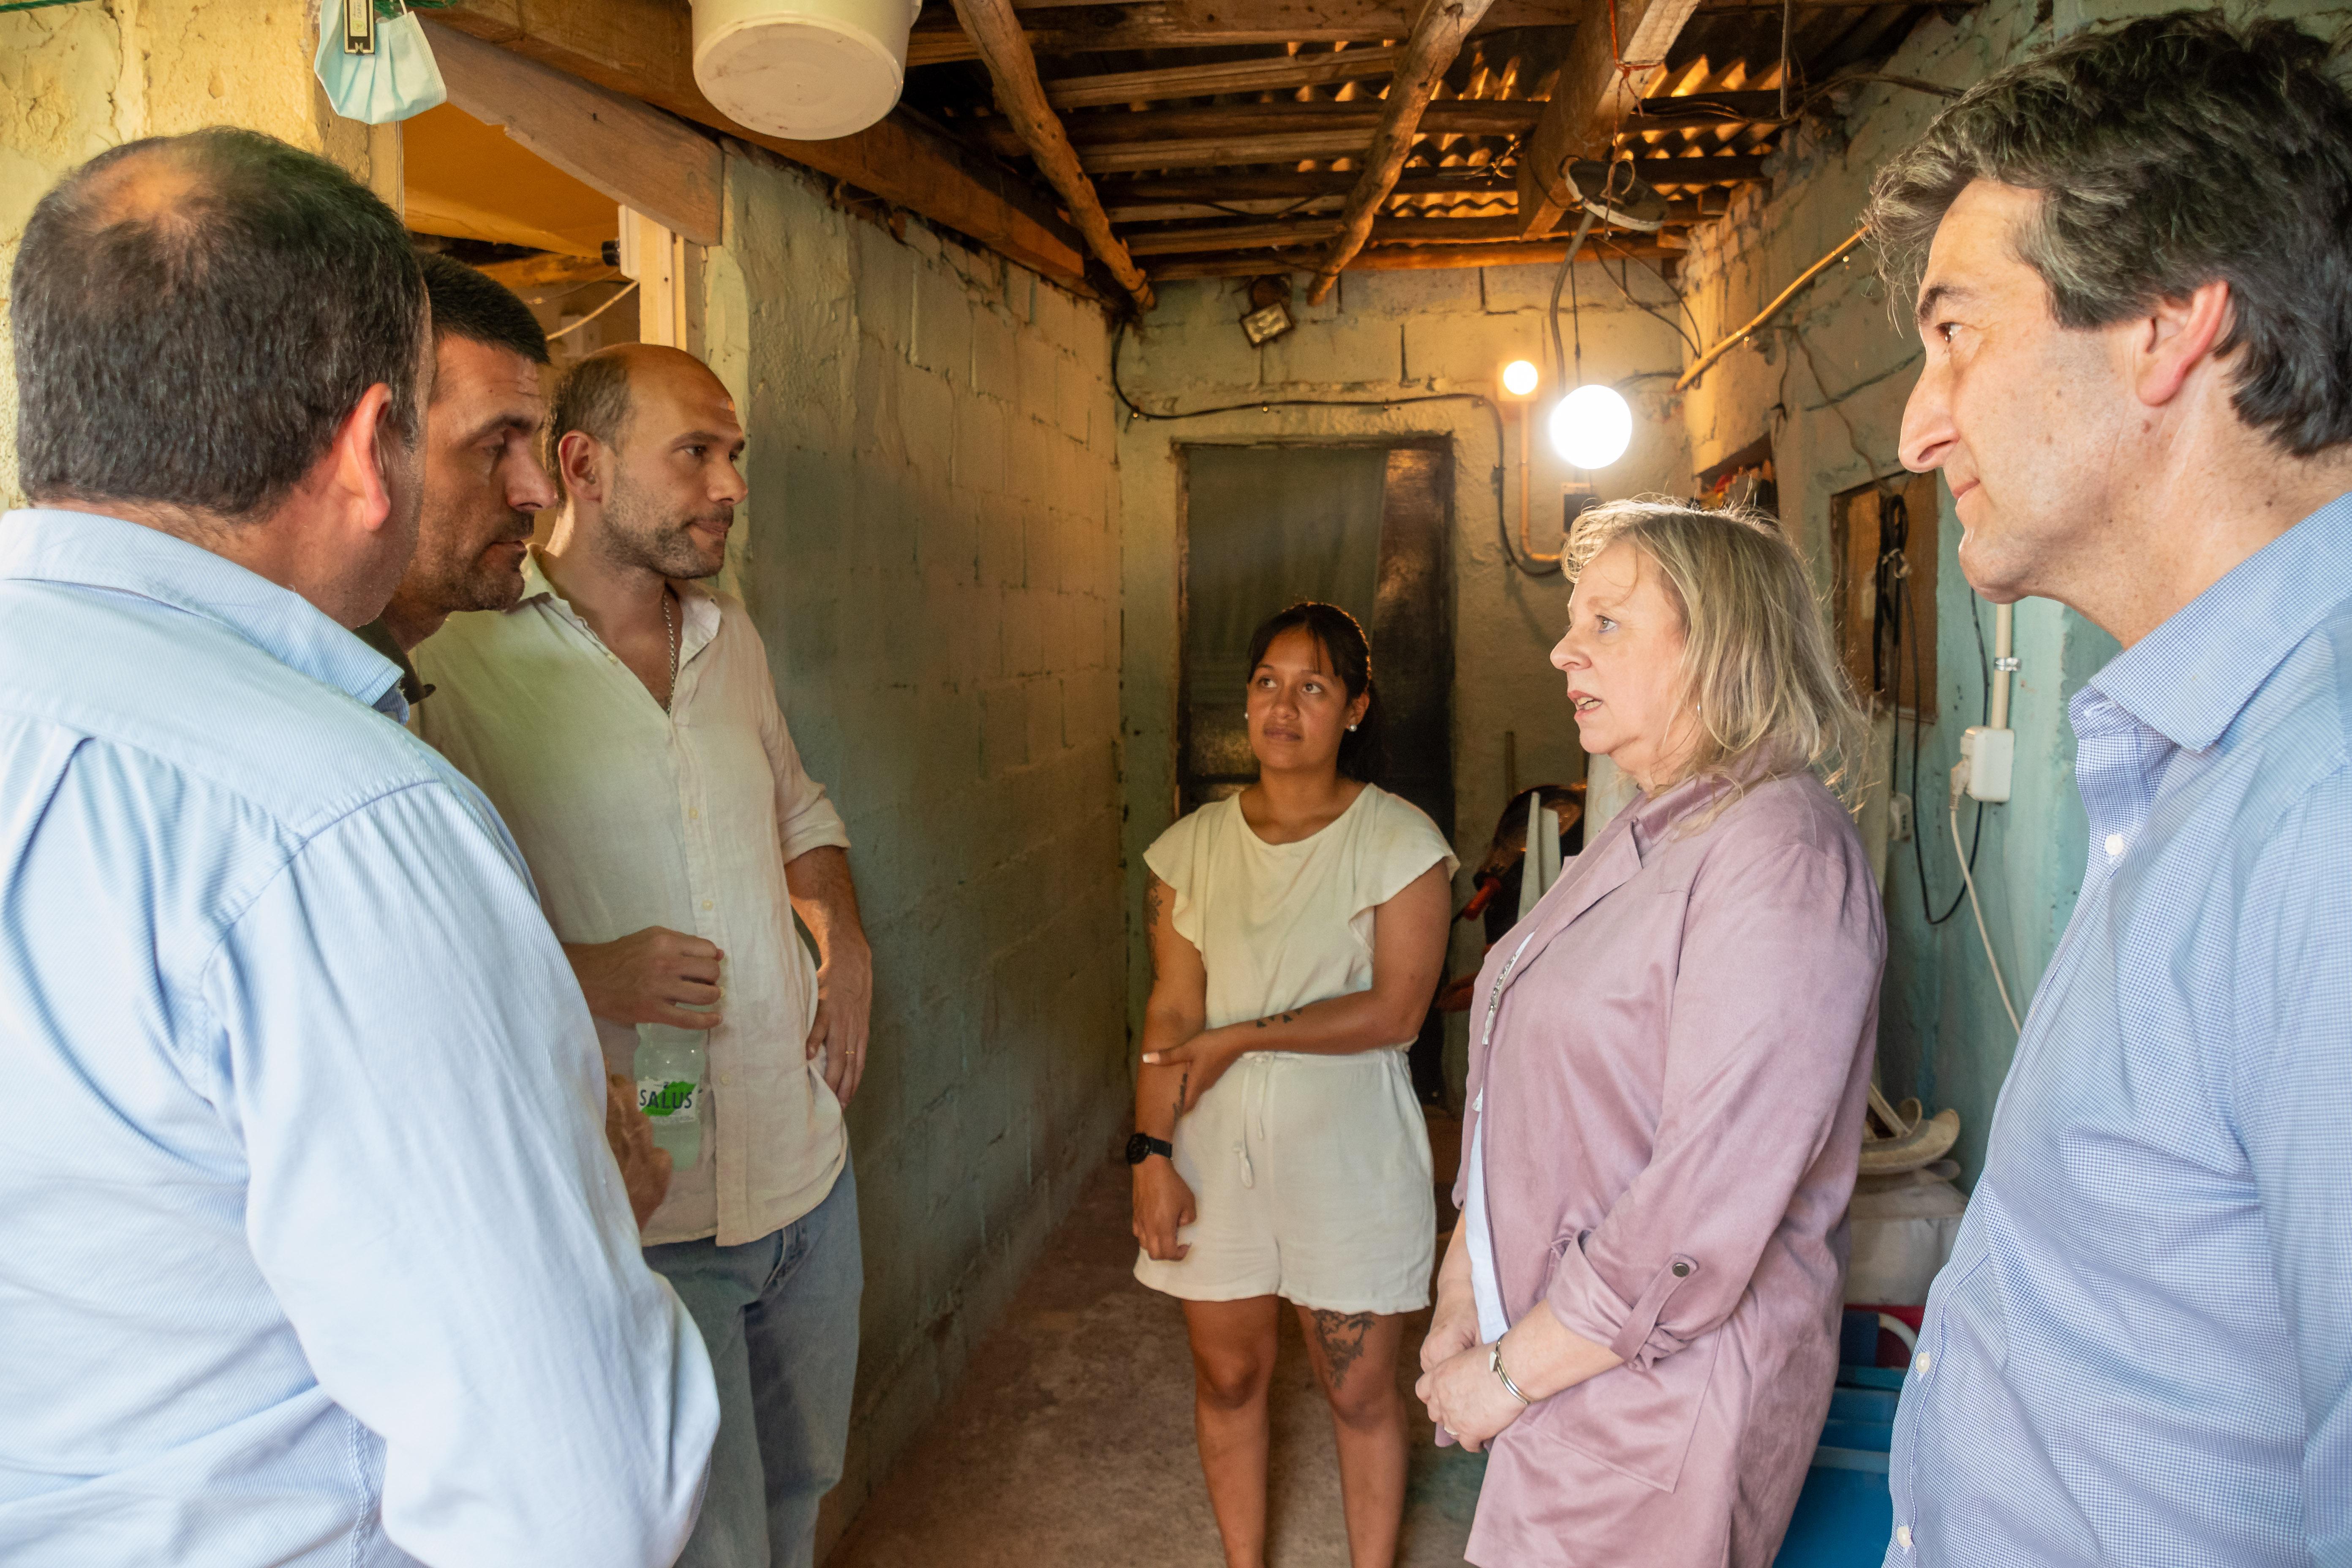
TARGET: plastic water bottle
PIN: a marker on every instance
(670, 1089)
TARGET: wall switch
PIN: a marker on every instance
(1990, 756)
(1898, 819)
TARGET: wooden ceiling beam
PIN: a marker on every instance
(1212, 25)
(1021, 98)
(1592, 94)
(1399, 259)
(1437, 36)
(644, 50)
(637, 156)
(1281, 73)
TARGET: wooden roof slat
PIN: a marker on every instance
(1226, 122)
(1281, 73)
(1022, 95)
(1591, 95)
(1402, 258)
(1197, 153)
(1437, 36)
(1731, 108)
(1172, 24)
(1308, 231)
(1298, 183)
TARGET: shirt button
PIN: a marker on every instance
(1923, 1363)
(693, 813)
(706, 903)
(2114, 844)
(1682, 1270)
(1903, 1536)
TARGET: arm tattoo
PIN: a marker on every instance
(1278, 1018)
(1182, 1084)
(1341, 1335)
(1152, 922)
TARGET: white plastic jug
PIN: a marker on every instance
(808, 69)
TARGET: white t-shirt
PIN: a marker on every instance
(1282, 925)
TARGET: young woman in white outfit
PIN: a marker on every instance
(1297, 932)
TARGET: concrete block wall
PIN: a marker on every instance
(1387, 335)
(934, 559)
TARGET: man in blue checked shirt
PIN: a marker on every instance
(311, 1251)
(2132, 258)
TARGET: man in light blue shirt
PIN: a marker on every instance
(2136, 300)
(311, 1250)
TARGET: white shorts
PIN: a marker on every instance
(1311, 1178)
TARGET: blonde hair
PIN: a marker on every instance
(1760, 673)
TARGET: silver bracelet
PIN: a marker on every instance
(1494, 1364)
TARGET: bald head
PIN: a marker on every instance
(645, 442)
(195, 316)
(598, 395)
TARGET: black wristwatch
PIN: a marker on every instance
(1143, 1145)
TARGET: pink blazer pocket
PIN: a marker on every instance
(1635, 1421)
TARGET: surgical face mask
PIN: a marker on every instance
(375, 68)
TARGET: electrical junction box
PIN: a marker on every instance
(1990, 756)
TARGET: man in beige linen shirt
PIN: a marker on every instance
(625, 722)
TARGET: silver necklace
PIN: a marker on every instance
(670, 626)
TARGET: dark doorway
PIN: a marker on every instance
(1365, 527)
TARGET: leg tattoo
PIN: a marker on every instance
(1341, 1335)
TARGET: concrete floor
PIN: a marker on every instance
(1070, 1442)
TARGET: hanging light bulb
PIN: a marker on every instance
(1592, 426)
(1519, 377)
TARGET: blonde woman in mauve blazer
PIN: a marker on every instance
(1638, 1315)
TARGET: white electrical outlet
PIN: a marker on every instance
(1991, 757)
(1898, 819)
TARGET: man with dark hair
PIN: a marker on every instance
(624, 720)
(484, 488)
(2133, 264)
(301, 1260)
(483, 482)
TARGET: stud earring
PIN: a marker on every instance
(1352, 728)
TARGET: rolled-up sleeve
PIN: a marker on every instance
(1777, 980)
(407, 1062)
(806, 819)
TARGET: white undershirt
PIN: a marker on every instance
(1486, 1287)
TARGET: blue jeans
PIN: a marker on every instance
(779, 1316)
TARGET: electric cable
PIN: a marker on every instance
(1502, 508)
(616, 299)
(1969, 878)
(1623, 288)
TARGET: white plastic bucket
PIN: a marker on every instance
(808, 69)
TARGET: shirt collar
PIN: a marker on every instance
(378, 636)
(1653, 816)
(2191, 678)
(91, 550)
